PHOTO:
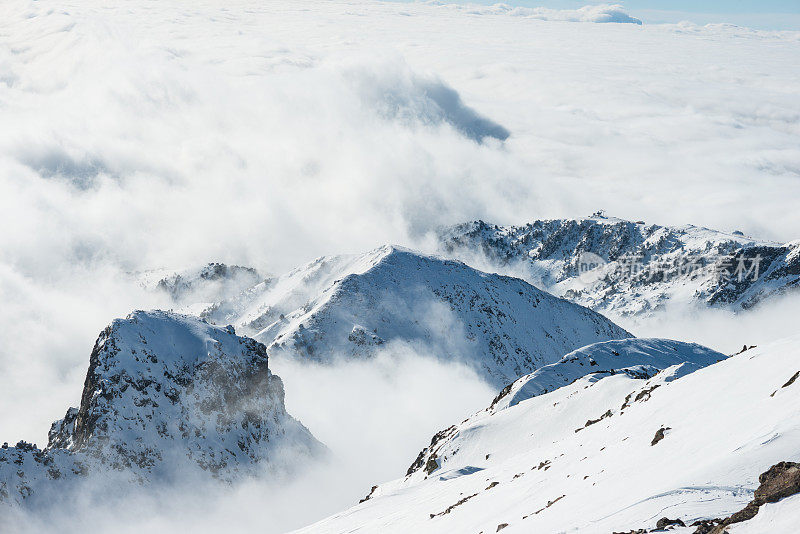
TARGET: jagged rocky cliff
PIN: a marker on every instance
(167, 397)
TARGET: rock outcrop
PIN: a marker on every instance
(166, 397)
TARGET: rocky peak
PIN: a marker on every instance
(168, 394)
(644, 266)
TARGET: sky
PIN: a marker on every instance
(760, 14)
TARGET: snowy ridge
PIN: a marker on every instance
(353, 306)
(639, 358)
(166, 397)
(550, 251)
(623, 451)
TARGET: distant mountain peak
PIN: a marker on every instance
(202, 284)
(352, 306)
(642, 267)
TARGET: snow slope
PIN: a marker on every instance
(599, 456)
(353, 306)
(640, 358)
(167, 397)
(684, 264)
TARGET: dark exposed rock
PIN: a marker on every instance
(591, 422)
(660, 434)
(665, 522)
(452, 506)
(779, 481)
(791, 380)
(503, 392)
(542, 465)
(645, 394)
(705, 526)
(369, 495)
(748, 512)
(431, 465)
(546, 506)
(427, 454)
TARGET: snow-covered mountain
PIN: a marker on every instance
(353, 306)
(611, 451)
(166, 397)
(642, 266)
(200, 286)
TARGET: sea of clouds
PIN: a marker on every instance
(141, 135)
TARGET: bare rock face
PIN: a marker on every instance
(166, 396)
(779, 481)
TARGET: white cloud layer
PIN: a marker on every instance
(138, 135)
(601, 13)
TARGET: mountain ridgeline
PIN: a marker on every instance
(644, 267)
(355, 306)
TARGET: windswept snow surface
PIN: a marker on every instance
(586, 458)
(781, 516)
(354, 306)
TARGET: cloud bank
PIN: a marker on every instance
(144, 135)
(601, 13)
